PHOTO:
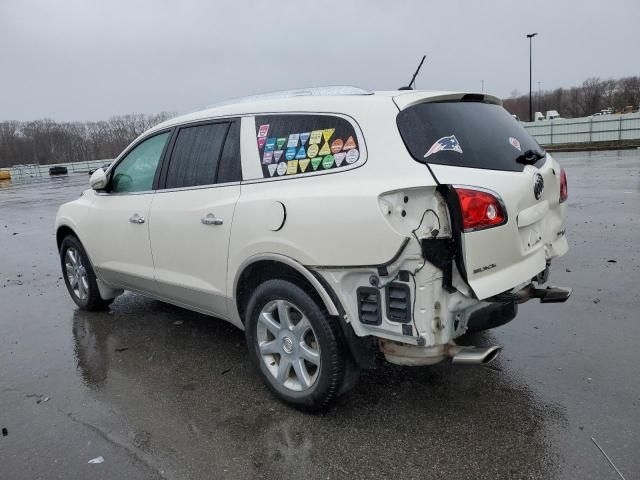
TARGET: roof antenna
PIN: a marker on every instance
(413, 79)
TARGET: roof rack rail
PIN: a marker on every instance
(336, 90)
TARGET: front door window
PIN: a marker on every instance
(135, 173)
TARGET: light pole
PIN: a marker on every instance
(530, 37)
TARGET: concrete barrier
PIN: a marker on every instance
(34, 172)
(621, 129)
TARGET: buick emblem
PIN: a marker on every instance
(538, 185)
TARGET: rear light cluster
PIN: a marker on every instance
(564, 193)
(480, 209)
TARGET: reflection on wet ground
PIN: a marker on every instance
(161, 392)
(196, 377)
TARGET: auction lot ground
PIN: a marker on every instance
(161, 392)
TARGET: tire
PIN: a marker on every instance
(309, 383)
(79, 277)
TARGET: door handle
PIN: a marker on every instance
(135, 218)
(211, 219)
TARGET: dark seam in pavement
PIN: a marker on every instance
(115, 443)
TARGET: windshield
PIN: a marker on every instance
(465, 134)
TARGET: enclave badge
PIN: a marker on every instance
(538, 185)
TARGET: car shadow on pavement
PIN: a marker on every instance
(183, 382)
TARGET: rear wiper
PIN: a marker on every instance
(529, 157)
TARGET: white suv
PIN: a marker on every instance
(330, 224)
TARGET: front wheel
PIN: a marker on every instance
(79, 276)
(296, 346)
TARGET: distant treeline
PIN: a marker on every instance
(46, 141)
(591, 97)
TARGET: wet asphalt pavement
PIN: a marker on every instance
(161, 392)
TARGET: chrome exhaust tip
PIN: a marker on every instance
(475, 355)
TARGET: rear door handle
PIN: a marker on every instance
(211, 219)
(135, 218)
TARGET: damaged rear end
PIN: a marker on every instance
(505, 194)
(505, 200)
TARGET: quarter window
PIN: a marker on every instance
(196, 155)
(296, 144)
(135, 173)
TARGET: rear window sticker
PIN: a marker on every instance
(353, 155)
(315, 162)
(349, 144)
(290, 145)
(449, 143)
(316, 137)
(336, 145)
(312, 151)
(327, 132)
(293, 140)
(290, 154)
(263, 130)
(270, 146)
(303, 164)
(325, 150)
(292, 167)
(515, 143)
(327, 162)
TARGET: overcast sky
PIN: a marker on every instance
(88, 60)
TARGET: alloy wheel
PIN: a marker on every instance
(288, 345)
(76, 273)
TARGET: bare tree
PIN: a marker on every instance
(46, 141)
(592, 96)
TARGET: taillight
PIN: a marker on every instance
(480, 209)
(564, 193)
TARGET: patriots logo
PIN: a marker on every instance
(445, 143)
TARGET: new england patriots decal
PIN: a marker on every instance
(445, 143)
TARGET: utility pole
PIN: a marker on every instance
(530, 37)
(482, 86)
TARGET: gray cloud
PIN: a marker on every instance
(87, 60)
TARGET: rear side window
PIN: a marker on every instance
(196, 155)
(295, 144)
(465, 134)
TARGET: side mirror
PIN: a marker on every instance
(98, 179)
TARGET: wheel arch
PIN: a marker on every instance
(106, 291)
(260, 268)
(63, 231)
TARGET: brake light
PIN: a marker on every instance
(480, 209)
(564, 193)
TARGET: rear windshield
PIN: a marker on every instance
(465, 134)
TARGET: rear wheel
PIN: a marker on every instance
(79, 276)
(296, 346)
